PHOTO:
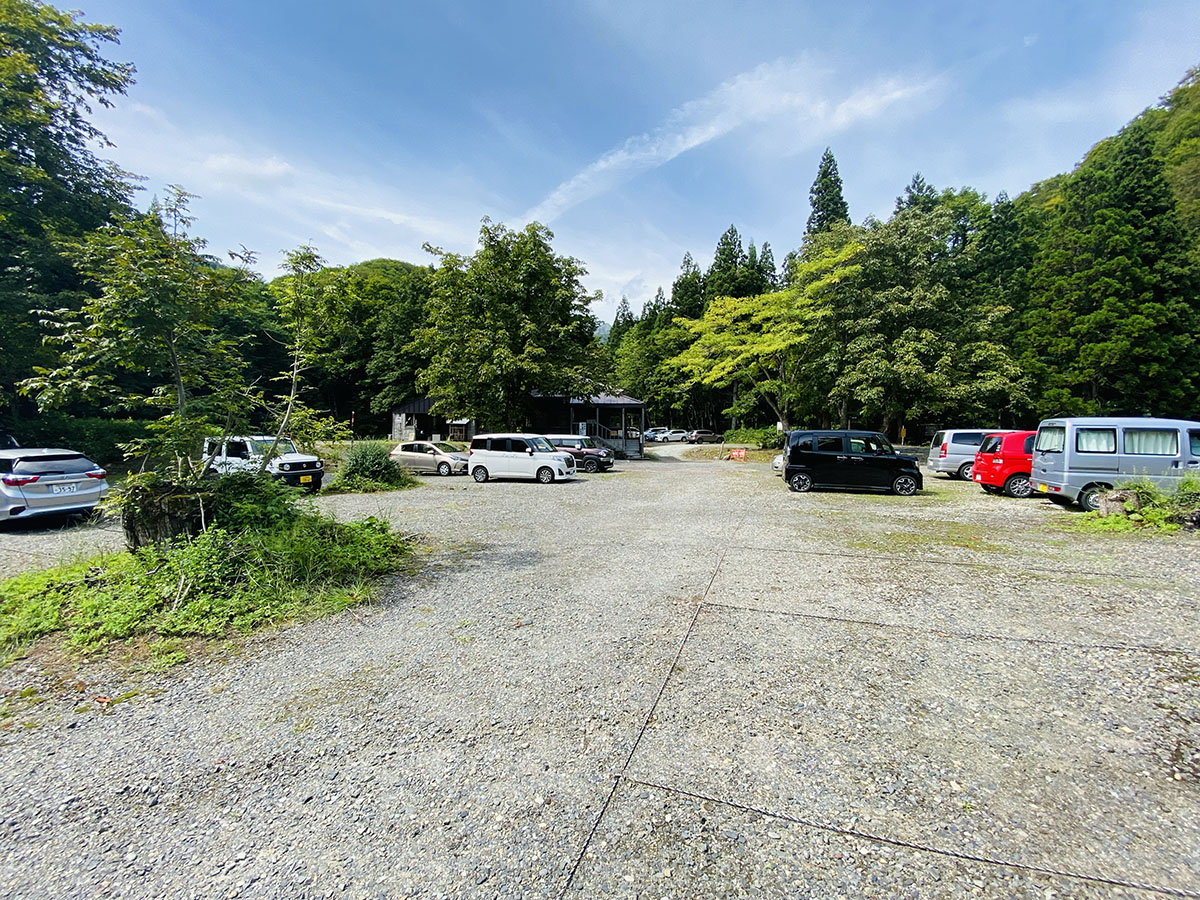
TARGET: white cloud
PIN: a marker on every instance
(236, 168)
(785, 93)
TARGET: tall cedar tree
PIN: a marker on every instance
(1113, 318)
(622, 322)
(687, 291)
(728, 261)
(828, 205)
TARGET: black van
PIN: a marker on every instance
(848, 459)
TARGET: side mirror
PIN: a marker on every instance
(431, 452)
(529, 450)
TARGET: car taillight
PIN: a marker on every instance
(19, 480)
(942, 452)
(97, 474)
(471, 452)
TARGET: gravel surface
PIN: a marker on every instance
(46, 541)
(676, 680)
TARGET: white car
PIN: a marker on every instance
(518, 456)
(245, 454)
(675, 434)
(777, 464)
(656, 433)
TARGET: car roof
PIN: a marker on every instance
(1125, 421)
(34, 452)
(510, 434)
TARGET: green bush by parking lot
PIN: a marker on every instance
(763, 438)
(368, 468)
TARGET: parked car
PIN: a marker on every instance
(518, 456)
(428, 456)
(704, 436)
(589, 455)
(675, 434)
(777, 464)
(848, 459)
(46, 481)
(1004, 462)
(1077, 459)
(652, 434)
(245, 454)
(952, 452)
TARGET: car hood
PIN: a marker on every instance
(293, 458)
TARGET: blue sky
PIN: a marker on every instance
(637, 131)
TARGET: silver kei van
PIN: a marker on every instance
(952, 451)
(1077, 459)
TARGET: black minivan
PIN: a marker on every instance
(848, 459)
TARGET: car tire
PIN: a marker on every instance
(1018, 486)
(443, 468)
(800, 482)
(480, 474)
(904, 485)
(964, 471)
(313, 487)
(591, 466)
(545, 475)
(1089, 498)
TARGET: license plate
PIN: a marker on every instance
(72, 488)
(304, 479)
(979, 478)
(1043, 488)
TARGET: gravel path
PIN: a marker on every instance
(677, 680)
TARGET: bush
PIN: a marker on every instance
(768, 438)
(367, 468)
(1158, 511)
(98, 439)
(241, 501)
(207, 586)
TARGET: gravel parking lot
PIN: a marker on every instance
(676, 680)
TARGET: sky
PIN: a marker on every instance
(636, 131)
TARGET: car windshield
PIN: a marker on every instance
(446, 448)
(1051, 439)
(541, 445)
(261, 448)
(588, 442)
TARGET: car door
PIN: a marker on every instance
(828, 462)
(1152, 453)
(868, 462)
(522, 461)
(410, 457)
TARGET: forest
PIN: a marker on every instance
(119, 327)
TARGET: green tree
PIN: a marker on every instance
(729, 259)
(828, 205)
(51, 184)
(1113, 315)
(508, 322)
(687, 291)
(622, 322)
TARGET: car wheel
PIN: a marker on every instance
(904, 485)
(480, 474)
(545, 475)
(964, 471)
(800, 482)
(590, 466)
(443, 468)
(1018, 486)
(1089, 499)
(313, 487)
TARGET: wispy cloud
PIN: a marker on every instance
(791, 92)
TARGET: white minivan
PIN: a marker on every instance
(1080, 458)
(518, 456)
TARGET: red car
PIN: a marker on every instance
(1004, 462)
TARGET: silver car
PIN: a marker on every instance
(46, 481)
(952, 452)
(427, 456)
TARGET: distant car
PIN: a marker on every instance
(519, 456)
(1004, 462)
(654, 434)
(428, 456)
(675, 434)
(244, 453)
(589, 455)
(848, 459)
(777, 464)
(952, 451)
(46, 481)
(8, 442)
(704, 436)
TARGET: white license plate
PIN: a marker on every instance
(72, 488)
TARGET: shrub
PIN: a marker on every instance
(241, 501)
(768, 438)
(367, 468)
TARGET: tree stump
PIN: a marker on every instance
(157, 513)
(1119, 503)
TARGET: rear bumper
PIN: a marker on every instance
(1045, 488)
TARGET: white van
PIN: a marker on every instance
(1080, 458)
(518, 456)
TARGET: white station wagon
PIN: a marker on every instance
(518, 456)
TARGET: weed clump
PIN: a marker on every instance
(368, 468)
(1149, 508)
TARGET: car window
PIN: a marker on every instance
(541, 444)
(1028, 447)
(874, 445)
(408, 448)
(967, 438)
(237, 450)
(938, 439)
(802, 441)
(830, 443)
(991, 444)
(446, 448)
(58, 464)
(1096, 440)
(479, 443)
(1051, 439)
(586, 442)
(1152, 441)
(1194, 438)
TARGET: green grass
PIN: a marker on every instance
(1159, 512)
(219, 583)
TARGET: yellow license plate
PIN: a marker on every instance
(1043, 489)
(304, 479)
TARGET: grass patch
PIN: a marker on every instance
(1148, 509)
(715, 452)
(221, 582)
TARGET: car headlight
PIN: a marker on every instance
(320, 465)
(285, 467)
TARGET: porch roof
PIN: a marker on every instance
(608, 400)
